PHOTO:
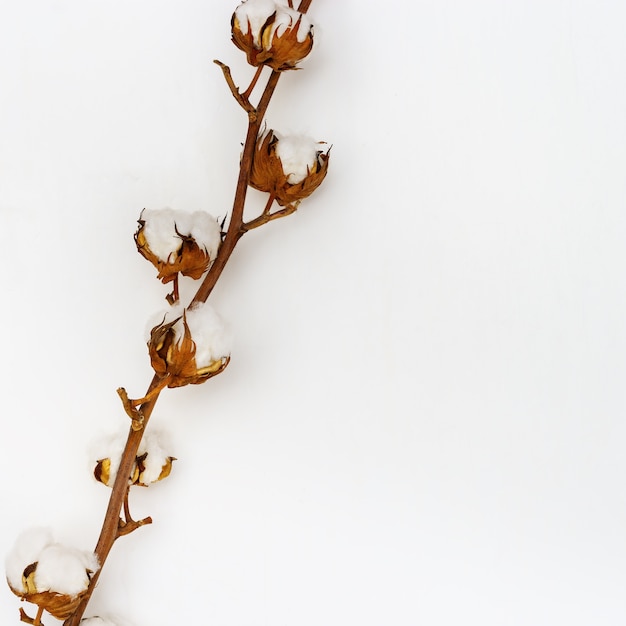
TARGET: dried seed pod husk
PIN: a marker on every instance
(173, 356)
(268, 174)
(281, 42)
(58, 605)
(189, 260)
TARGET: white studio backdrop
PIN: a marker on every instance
(423, 420)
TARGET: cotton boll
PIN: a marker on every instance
(64, 570)
(25, 551)
(209, 333)
(163, 229)
(297, 154)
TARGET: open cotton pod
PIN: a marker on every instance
(289, 167)
(53, 576)
(178, 242)
(153, 461)
(272, 34)
(189, 346)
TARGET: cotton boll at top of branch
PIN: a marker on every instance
(271, 33)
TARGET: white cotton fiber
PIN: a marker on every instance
(64, 570)
(163, 229)
(287, 18)
(25, 551)
(297, 154)
(212, 339)
(110, 447)
(155, 444)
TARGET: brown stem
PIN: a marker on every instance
(235, 231)
(173, 297)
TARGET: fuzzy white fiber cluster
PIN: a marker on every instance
(252, 15)
(297, 154)
(60, 568)
(163, 228)
(155, 443)
(212, 338)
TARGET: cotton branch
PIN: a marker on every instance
(113, 527)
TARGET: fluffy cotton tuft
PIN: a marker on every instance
(163, 228)
(155, 443)
(297, 154)
(252, 15)
(97, 621)
(60, 568)
(213, 341)
(110, 447)
(26, 550)
(209, 332)
(64, 570)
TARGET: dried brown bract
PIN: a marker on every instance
(281, 41)
(190, 259)
(268, 172)
(174, 357)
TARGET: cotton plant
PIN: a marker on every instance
(188, 342)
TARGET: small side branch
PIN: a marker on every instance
(266, 217)
(133, 407)
(29, 620)
(242, 99)
(128, 524)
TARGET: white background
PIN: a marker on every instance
(423, 419)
